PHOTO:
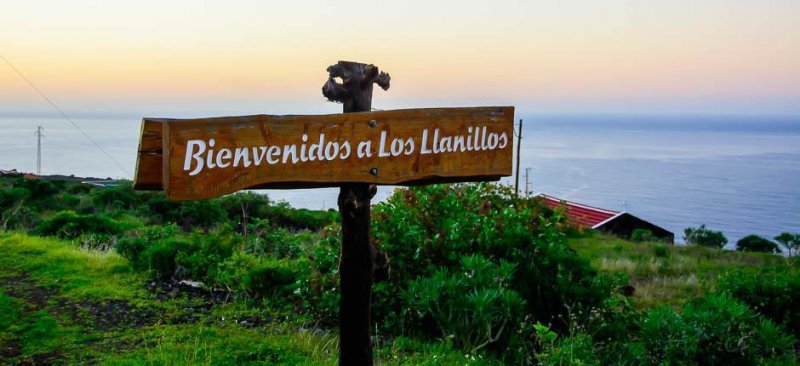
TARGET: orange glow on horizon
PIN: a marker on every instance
(509, 51)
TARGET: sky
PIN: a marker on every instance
(196, 58)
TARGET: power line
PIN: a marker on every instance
(65, 116)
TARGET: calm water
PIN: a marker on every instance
(735, 174)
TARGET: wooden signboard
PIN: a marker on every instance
(207, 157)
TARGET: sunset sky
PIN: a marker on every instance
(188, 58)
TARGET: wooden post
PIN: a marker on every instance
(356, 262)
(519, 143)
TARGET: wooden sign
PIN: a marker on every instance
(207, 157)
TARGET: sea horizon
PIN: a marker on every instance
(734, 173)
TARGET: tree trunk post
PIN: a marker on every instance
(357, 259)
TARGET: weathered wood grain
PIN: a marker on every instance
(267, 131)
(148, 166)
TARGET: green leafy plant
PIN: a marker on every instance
(704, 237)
(789, 241)
(642, 235)
(68, 224)
(472, 304)
(775, 293)
(577, 349)
(755, 243)
(714, 330)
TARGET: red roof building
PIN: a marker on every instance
(621, 224)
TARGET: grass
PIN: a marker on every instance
(49, 286)
(667, 274)
(76, 272)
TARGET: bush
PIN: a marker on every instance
(667, 337)
(774, 293)
(136, 242)
(189, 215)
(704, 237)
(245, 206)
(715, 330)
(789, 241)
(121, 197)
(196, 256)
(68, 224)
(270, 278)
(283, 215)
(40, 189)
(199, 258)
(642, 235)
(755, 243)
(277, 242)
(661, 251)
(101, 242)
(473, 304)
(160, 257)
(318, 279)
(204, 214)
(577, 349)
(427, 232)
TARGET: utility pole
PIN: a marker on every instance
(39, 150)
(527, 184)
(519, 143)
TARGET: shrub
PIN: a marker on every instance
(789, 241)
(68, 224)
(577, 349)
(159, 257)
(131, 248)
(189, 215)
(137, 241)
(667, 337)
(196, 256)
(119, 197)
(426, 233)
(318, 279)
(775, 293)
(94, 241)
(642, 235)
(15, 212)
(704, 237)
(277, 242)
(283, 215)
(245, 206)
(755, 243)
(39, 189)
(661, 251)
(244, 274)
(715, 330)
(473, 304)
(270, 278)
(199, 256)
(200, 214)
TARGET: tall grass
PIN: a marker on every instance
(667, 274)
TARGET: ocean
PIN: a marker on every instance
(736, 174)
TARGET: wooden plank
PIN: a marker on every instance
(265, 151)
(148, 161)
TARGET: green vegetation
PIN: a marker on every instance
(478, 276)
(704, 237)
(791, 242)
(755, 243)
(669, 274)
